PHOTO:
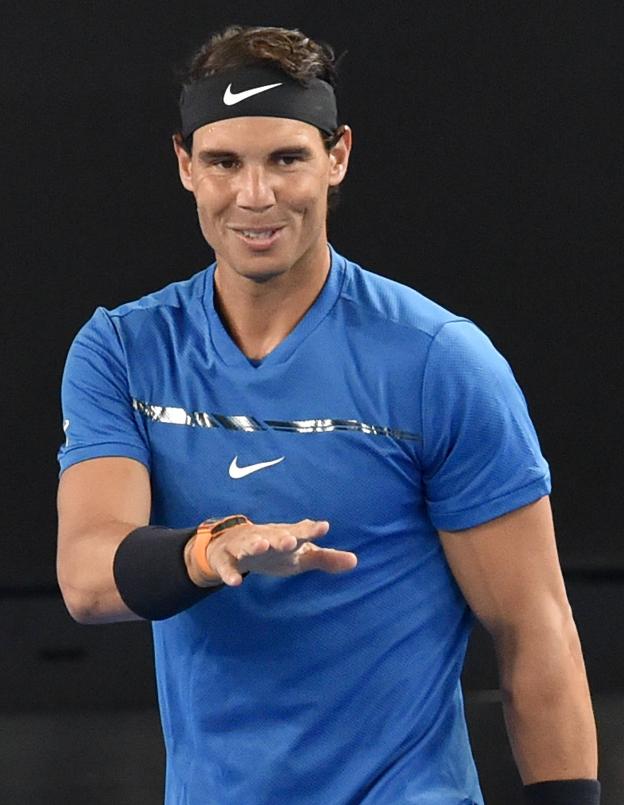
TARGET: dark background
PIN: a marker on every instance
(486, 173)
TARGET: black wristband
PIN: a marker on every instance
(151, 575)
(563, 792)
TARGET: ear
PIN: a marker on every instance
(339, 157)
(184, 162)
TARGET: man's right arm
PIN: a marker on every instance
(100, 501)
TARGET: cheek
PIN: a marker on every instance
(308, 198)
(209, 194)
(208, 223)
(210, 206)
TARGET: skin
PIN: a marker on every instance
(508, 568)
(263, 172)
(101, 500)
(263, 295)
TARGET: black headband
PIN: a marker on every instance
(256, 90)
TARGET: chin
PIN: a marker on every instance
(263, 277)
(269, 262)
(259, 274)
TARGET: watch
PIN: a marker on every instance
(208, 530)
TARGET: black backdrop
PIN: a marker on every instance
(486, 173)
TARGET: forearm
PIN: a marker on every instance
(118, 571)
(85, 575)
(547, 707)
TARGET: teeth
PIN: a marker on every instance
(258, 235)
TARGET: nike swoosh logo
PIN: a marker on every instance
(241, 472)
(230, 98)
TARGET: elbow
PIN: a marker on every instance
(81, 607)
(80, 602)
(74, 601)
(82, 616)
(90, 605)
(85, 577)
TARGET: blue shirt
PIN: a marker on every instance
(386, 415)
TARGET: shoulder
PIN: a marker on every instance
(175, 295)
(152, 312)
(398, 305)
(411, 330)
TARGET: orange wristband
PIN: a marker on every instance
(206, 532)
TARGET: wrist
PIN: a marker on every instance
(194, 573)
(563, 792)
(198, 567)
(150, 573)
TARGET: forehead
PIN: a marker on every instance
(255, 134)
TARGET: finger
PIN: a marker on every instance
(225, 564)
(286, 542)
(251, 546)
(251, 557)
(289, 536)
(329, 560)
(278, 540)
(309, 529)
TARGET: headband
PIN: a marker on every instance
(257, 90)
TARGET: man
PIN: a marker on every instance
(311, 415)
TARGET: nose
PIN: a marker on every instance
(255, 190)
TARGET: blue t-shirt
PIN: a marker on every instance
(380, 412)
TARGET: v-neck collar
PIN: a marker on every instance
(231, 354)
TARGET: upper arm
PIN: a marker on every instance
(508, 570)
(102, 490)
(98, 413)
(99, 502)
(105, 457)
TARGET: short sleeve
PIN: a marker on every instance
(481, 454)
(98, 418)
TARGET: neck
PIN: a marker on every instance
(259, 315)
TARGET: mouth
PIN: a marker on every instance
(259, 239)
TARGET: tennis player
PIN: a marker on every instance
(311, 479)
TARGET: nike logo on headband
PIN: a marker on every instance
(230, 98)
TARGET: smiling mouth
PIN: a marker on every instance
(258, 238)
(257, 234)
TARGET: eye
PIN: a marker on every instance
(226, 164)
(287, 159)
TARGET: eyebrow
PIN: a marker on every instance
(209, 154)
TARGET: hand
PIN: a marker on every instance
(271, 549)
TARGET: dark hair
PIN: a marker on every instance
(290, 50)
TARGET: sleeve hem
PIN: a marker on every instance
(103, 451)
(477, 515)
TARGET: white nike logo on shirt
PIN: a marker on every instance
(230, 98)
(241, 472)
